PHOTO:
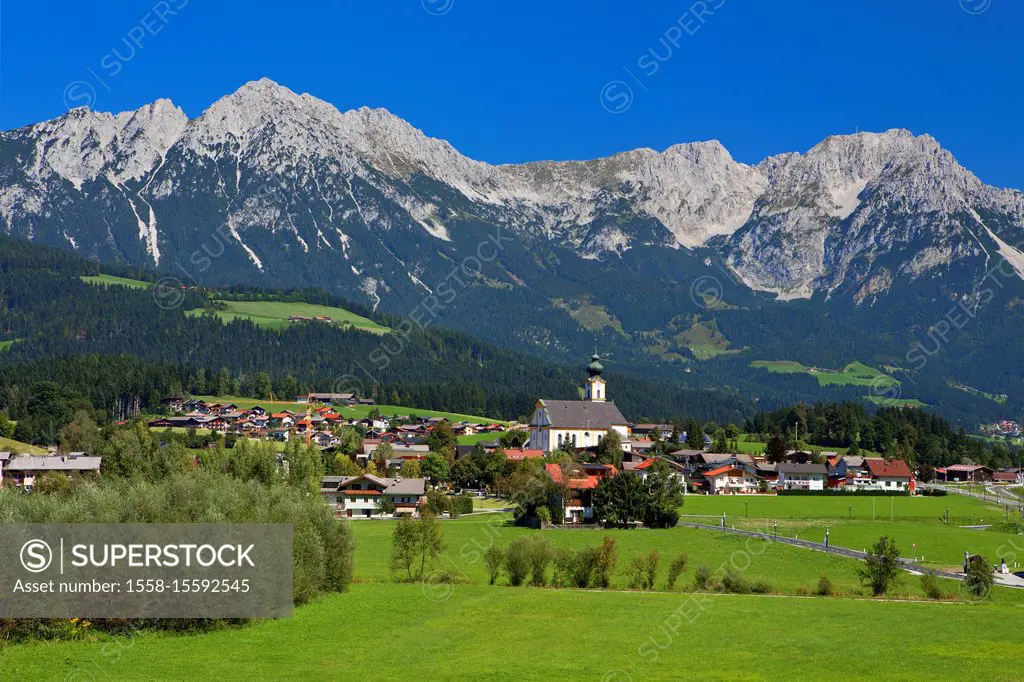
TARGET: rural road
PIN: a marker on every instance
(1005, 580)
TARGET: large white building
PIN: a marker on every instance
(577, 423)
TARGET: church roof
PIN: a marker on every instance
(583, 414)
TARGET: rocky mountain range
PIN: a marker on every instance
(274, 188)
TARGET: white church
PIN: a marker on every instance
(578, 423)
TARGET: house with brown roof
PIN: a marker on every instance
(359, 496)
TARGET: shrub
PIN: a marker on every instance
(675, 569)
(802, 591)
(651, 569)
(733, 581)
(494, 558)
(322, 546)
(565, 562)
(635, 571)
(517, 561)
(978, 581)
(544, 515)
(824, 588)
(604, 565)
(881, 569)
(930, 586)
(702, 578)
(762, 587)
(541, 554)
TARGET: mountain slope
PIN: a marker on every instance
(881, 233)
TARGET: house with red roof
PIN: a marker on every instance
(890, 474)
(579, 482)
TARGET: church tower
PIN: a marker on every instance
(594, 389)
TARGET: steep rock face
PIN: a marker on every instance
(269, 185)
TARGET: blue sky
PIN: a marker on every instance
(519, 81)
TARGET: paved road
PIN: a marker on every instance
(908, 565)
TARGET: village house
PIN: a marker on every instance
(801, 476)
(731, 479)
(359, 496)
(890, 475)
(577, 423)
(579, 481)
(22, 471)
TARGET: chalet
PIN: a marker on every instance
(174, 403)
(332, 398)
(664, 431)
(577, 423)
(801, 476)
(964, 472)
(23, 470)
(890, 475)
(731, 479)
(642, 468)
(579, 481)
(359, 496)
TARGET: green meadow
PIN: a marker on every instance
(356, 411)
(4, 345)
(854, 374)
(276, 313)
(8, 445)
(547, 634)
(107, 280)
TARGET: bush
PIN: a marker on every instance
(881, 568)
(604, 565)
(322, 546)
(544, 515)
(541, 554)
(733, 581)
(702, 578)
(643, 570)
(651, 569)
(635, 571)
(824, 588)
(517, 561)
(802, 591)
(978, 581)
(460, 504)
(930, 586)
(934, 492)
(675, 569)
(494, 558)
(762, 587)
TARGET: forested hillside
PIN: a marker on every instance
(117, 346)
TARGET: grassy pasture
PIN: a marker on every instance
(107, 280)
(632, 636)
(8, 445)
(962, 510)
(786, 568)
(357, 411)
(276, 313)
(4, 345)
(854, 374)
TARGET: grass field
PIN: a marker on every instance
(357, 411)
(479, 438)
(895, 402)
(940, 546)
(4, 345)
(561, 635)
(854, 374)
(275, 314)
(120, 281)
(962, 510)
(8, 445)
